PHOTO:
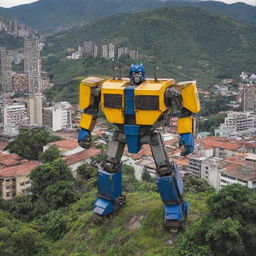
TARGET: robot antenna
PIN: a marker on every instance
(156, 73)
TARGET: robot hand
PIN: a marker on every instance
(186, 143)
(84, 138)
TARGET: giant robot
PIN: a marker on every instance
(136, 106)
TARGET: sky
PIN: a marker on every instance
(10, 3)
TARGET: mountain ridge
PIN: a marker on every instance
(203, 47)
(47, 15)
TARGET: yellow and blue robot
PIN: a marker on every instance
(135, 106)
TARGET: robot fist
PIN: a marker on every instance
(186, 143)
(84, 138)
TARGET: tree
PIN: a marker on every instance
(229, 229)
(29, 143)
(224, 238)
(52, 187)
(195, 185)
(235, 201)
(146, 176)
(86, 171)
(17, 238)
(51, 154)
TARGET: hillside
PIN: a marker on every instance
(220, 224)
(238, 11)
(47, 15)
(204, 47)
(10, 42)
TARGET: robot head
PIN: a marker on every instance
(137, 74)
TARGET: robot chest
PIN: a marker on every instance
(145, 105)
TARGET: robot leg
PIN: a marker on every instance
(110, 196)
(169, 183)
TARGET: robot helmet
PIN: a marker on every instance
(137, 74)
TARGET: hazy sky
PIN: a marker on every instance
(10, 3)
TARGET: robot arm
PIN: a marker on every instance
(90, 89)
(184, 95)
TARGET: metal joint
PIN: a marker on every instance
(173, 97)
(185, 113)
(91, 110)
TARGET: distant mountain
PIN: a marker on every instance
(186, 43)
(238, 11)
(47, 15)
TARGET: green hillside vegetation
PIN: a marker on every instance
(47, 15)
(185, 43)
(240, 12)
(10, 42)
(57, 221)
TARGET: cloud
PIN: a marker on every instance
(10, 3)
(251, 2)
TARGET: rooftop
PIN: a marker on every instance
(245, 173)
(9, 159)
(220, 142)
(19, 170)
(67, 144)
(3, 145)
(85, 154)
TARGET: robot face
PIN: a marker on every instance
(136, 77)
(137, 74)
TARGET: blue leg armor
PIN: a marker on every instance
(170, 185)
(110, 197)
(175, 210)
(110, 189)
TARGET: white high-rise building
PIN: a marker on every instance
(111, 51)
(15, 115)
(35, 107)
(104, 51)
(58, 117)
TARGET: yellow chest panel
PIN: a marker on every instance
(149, 103)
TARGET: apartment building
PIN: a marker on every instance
(249, 98)
(14, 175)
(236, 123)
(58, 117)
(19, 82)
(219, 172)
(194, 166)
(35, 110)
(5, 70)
(15, 115)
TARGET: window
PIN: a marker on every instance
(7, 187)
(28, 182)
(7, 180)
(7, 194)
(22, 183)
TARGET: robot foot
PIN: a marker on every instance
(175, 215)
(104, 207)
